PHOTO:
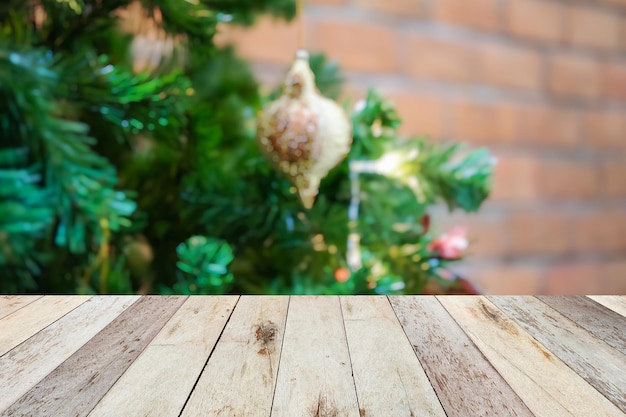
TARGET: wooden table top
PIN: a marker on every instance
(231, 356)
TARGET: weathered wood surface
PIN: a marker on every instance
(547, 385)
(312, 356)
(240, 376)
(156, 387)
(25, 365)
(605, 324)
(315, 374)
(616, 303)
(388, 376)
(465, 382)
(594, 360)
(77, 385)
(11, 303)
(25, 322)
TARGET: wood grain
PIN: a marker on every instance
(547, 385)
(315, 376)
(11, 303)
(24, 366)
(28, 320)
(159, 381)
(388, 376)
(591, 358)
(616, 303)
(75, 387)
(602, 322)
(240, 377)
(465, 382)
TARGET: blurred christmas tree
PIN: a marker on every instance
(128, 163)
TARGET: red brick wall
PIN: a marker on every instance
(541, 82)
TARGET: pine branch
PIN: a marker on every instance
(432, 171)
(26, 212)
(244, 11)
(70, 25)
(81, 182)
(462, 179)
(129, 104)
(374, 122)
(193, 19)
(203, 266)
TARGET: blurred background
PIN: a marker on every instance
(542, 83)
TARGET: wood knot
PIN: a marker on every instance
(266, 332)
(498, 318)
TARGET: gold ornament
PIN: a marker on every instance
(302, 133)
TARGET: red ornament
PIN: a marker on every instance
(342, 274)
(450, 245)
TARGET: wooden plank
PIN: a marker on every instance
(602, 322)
(25, 322)
(11, 303)
(240, 376)
(160, 380)
(616, 303)
(465, 382)
(24, 366)
(76, 386)
(388, 376)
(547, 385)
(594, 360)
(315, 375)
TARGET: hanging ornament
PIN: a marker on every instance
(302, 133)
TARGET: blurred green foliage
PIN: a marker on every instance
(118, 181)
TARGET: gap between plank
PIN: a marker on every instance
(282, 343)
(34, 298)
(345, 333)
(577, 363)
(483, 354)
(129, 365)
(208, 358)
(148, 344)
(591, 316)
(415, 353)
(48, 325)
(567, 363)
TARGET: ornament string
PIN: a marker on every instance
(353, 245)
(299, 9)
(353, 249)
